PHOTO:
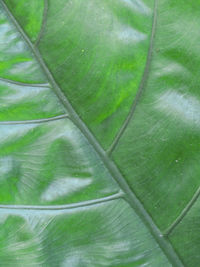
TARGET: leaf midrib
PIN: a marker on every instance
(129, 196)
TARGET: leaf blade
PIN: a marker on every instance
(90, 138)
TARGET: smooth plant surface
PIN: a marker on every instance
(99, 133)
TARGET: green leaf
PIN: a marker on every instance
(99, 133)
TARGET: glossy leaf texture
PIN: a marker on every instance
(99, 133)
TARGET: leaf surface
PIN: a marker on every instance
(99, 133)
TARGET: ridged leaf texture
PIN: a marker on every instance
(99, 133)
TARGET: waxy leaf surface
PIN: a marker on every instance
(99, 133)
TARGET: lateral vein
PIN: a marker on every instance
(141, 85)
(66, 206)
(183, 213)
(44, 19)
(24, 84)
(64, 116)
